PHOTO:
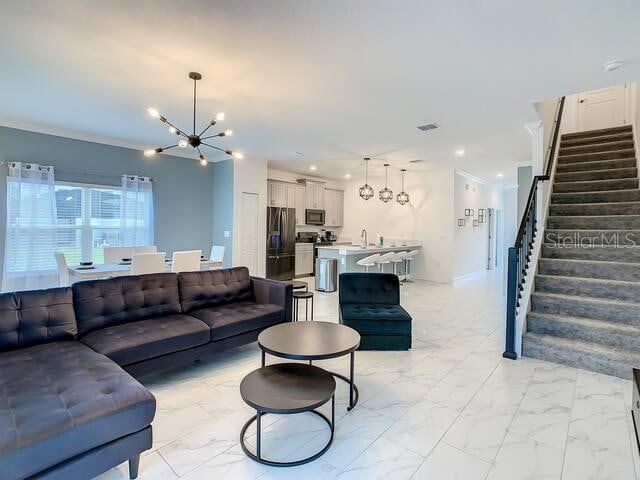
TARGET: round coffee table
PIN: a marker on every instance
(313, 341)
(287, 388)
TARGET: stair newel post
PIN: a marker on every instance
(512, 295)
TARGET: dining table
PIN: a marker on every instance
(79, 273)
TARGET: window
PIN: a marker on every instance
(88, 218)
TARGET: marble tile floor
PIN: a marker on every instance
(451, 408)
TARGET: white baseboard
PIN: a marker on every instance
(470, 276)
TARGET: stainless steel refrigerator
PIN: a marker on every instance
(281, 243)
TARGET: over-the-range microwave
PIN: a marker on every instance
(313, 217)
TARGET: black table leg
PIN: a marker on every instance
(264, 360)
(351, 375)
(258, 416)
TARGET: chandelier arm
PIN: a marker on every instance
(199, 152)
(170, 146)
(213, 146)
(178, 129)
(206, 128)
(211, 136)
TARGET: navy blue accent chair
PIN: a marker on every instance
(370, 304)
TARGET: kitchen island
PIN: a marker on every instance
(348, 255)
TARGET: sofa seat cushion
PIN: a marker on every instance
(376, 318)
(137, 341)
(241, 317)
(60, 399)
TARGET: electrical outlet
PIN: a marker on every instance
(227, 234)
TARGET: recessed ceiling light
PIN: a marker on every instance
(313, 168)
(500, 175)
(348, 175)
(460, 152)
(612, 65)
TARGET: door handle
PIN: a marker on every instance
(582, 101)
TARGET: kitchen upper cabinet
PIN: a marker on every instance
(299, 203)
(276, 194)
(315, 195)
(333, 207)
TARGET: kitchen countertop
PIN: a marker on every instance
(370, 250)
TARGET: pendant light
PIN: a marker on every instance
(385, 194)
(366, 191)
(403, 197)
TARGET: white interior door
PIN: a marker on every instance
(601, 108)
(249, 231)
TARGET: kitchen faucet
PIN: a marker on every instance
(363, 238)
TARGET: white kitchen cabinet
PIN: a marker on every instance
(299, 203)
(304, 259)
(315, 195)
(333, 207)
(276, 194)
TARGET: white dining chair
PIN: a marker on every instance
(63, 269)
(144, 249)
(217, 254)
(187, 261)
(398, 257)
(384, 259)
(142, 263)
(114, 255)
(369, 261)
(409, 257)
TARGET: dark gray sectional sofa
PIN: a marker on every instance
(69, 405)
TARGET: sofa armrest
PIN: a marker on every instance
(274, 292)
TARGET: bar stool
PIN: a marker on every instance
(384, 259)
(408, 258)
(398, 257)
(297, 296)
(369, 261)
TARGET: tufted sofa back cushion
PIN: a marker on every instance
(39, 316)
(369, 288)
(103, 303)
(214, 287)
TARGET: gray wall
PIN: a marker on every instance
(182, 192)
(525, 177)
(223, 207)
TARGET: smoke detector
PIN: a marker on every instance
(428, 126)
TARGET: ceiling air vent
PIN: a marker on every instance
(417, 160)
(428, 126)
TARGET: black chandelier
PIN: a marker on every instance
(195, 140)
(366, 191)
(403, 197)
(385, 194)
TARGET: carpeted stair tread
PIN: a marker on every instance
(611, 196)
(598, 132)
(594, 253)
(599, 209)
(586, 175)
(596, 185)
(596, 147)
(588, 307)
(604, 288)
(625, 271)
(580, 354)
(593, 156)
(590, 140)
(597, 165)
(594, 222)
(602, 332)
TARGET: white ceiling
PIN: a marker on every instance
(334, 80)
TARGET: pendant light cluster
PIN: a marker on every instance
(386, 194)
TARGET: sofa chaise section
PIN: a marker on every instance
(66, 411)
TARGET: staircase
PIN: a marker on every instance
(585, 307)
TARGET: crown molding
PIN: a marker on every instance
(533, 127)
(472, 177)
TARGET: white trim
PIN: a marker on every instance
(472, 177)
(533, 127)
(470, 276)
